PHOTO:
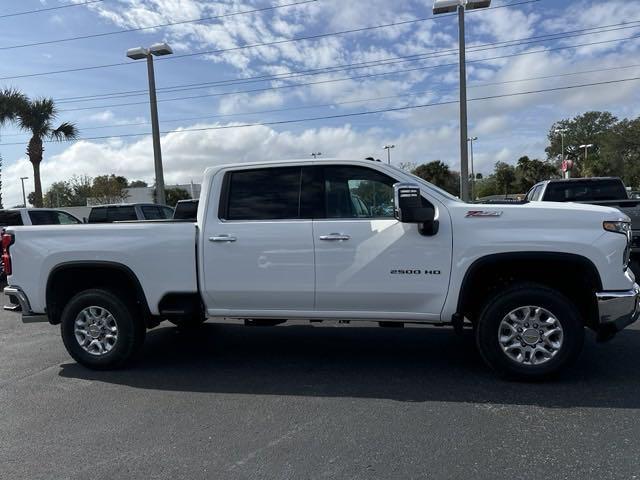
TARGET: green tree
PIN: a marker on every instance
(531, 171)
(82, 187)
(621, 151)
(109, 189)
(138, 184)
(439, 174)
(505, 177)
(588, 128)
(173, 195)
(37, 117)
(11, 101)
(60, 194)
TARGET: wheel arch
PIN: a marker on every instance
(68, 278)
(579, 282)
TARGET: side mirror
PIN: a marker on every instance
(409, 208)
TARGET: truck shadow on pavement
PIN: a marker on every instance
(408, 365)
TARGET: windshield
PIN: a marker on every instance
(422, 181)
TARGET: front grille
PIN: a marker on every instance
(635, 241)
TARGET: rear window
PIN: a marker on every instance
(10, 218)
(121, 214)
(186, 210)
(98, 215)
(587, 191)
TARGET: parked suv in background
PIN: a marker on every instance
(129, 211)
(16, 217)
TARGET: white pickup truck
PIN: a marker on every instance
(335, 240)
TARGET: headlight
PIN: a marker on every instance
(625, 229)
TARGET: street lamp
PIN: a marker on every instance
(24, 197)
(561, 132)
(473, 175)
(139, 53)
(450, 6)
(315, 154)
(388, 149)
(586, 151)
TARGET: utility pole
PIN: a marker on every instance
(473, 175)
(24, 197)
(562, 131)
(450, 6)
(388, 149)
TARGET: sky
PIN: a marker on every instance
(395, 59)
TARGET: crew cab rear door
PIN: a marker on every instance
(257, 246)
(368, 264)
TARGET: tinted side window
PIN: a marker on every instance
(98, 215)
(10, 218)
(585, 191)
(150, 212)
(65, 219)
(186, 210)
(357, 192)
(166, 212)
(120, 214)
(44, 217)
(264, 194)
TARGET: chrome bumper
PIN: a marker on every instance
(618, 309)
(23, 306)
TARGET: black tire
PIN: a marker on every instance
(521, 295)
(130, 334)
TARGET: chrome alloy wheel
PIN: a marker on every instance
(530, 335)
(96, 330)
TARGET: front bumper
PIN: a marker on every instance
(20, 303)
(616, 310)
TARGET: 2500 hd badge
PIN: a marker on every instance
(415, 272)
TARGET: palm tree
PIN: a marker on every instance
(11, 101)
(37, 117)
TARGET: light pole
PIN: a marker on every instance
(586, 151)
(139, 53)
(561, 132)
(388, 149)
(473, 175)
(315, 154)
(24, 197)
(450, 6)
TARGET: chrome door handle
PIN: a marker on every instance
(335, 237)
(222, 238)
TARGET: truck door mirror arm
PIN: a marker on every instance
(409, 208)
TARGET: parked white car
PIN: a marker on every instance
(284, 240)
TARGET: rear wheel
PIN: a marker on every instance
(100, 331)
(529, 332)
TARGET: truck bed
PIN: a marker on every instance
(162, 255)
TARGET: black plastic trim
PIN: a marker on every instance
(514, 256)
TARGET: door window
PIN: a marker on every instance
(357, 192)
(51, 217)
(262, 194)
(66, 219)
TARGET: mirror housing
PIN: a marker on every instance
(409, 208)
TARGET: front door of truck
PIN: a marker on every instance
(367, 263)
(257, 249)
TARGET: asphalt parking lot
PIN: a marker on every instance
(301, 402)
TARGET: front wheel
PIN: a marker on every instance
(99, 330)
(529, 332)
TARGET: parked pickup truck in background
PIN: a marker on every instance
(606, 191)
(35, 216)
(122, 212)
(286, 240)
